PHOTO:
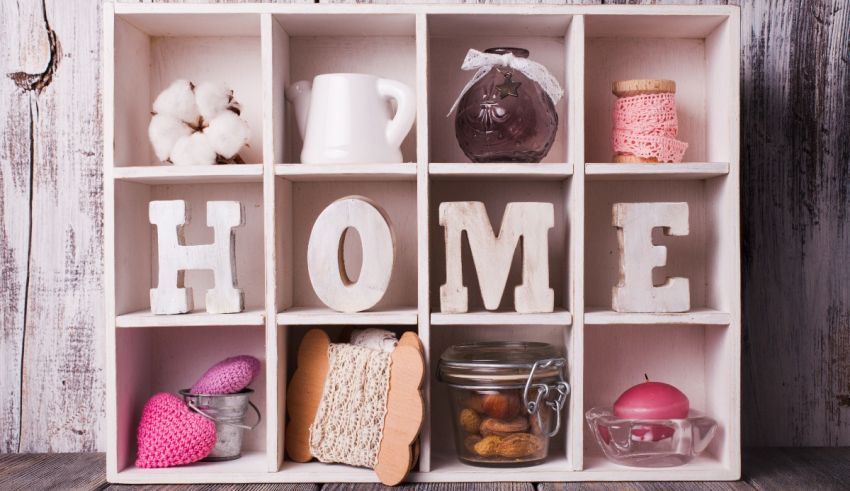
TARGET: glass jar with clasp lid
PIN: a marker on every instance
(507, 400)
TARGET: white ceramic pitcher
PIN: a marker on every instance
(345, 118)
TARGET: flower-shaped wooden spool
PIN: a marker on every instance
(405, 407)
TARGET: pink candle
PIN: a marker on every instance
(652, 400)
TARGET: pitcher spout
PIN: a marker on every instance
(299, 95)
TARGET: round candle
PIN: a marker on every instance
(652, 400)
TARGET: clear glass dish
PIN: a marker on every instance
(650, 442)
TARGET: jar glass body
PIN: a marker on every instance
(505, 116)
(499, 412)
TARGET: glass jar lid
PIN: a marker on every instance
(501, 364)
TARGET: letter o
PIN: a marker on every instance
(325, 255)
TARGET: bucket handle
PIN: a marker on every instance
(236, 425)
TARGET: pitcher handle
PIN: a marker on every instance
(405, 113)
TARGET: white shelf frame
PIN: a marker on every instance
(580, 462)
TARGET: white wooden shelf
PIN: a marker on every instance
(250, 464)
(526, 172)
(702, 468)
(685, 170)
(695, 316)
(144, 318)
(348, 172)
(260, 48)
(325, 316)
(184, 174)
(559, 317)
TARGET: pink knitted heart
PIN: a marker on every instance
(228, 376)
(172, 434)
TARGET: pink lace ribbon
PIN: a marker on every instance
(646, 126)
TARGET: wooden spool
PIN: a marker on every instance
(630, 88)
(405, 407)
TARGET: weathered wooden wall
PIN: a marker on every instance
(796, 227)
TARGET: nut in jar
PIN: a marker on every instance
(507, 400)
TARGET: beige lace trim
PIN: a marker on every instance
(350, 420)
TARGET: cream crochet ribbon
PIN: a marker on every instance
(485, 62)
(349, 423)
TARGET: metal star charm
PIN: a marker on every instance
(509, 88)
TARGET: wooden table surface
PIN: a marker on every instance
(810, 469)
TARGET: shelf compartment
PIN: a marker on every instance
(298, 204)
(559, 317)
(152, 50)
(189, 174)
(450, 36)
(442, 436)
(346, 172)
(496, 194)
(150, 361)
(697, 359)
(136, 265)
(307, 45)
(689, 170)
(326, 316)
(601, 316)
(144, 318)
(555, 172)
(694, 51)
(698, 256)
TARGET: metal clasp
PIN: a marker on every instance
(559, 393)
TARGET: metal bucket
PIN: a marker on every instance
(228, 413)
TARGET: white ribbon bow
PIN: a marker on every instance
(485, 62)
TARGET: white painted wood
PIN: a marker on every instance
(703, 316)
(559, 317)
(492, 255)
(170, 296)
(146, 318)
(689, 170)
(325, 316)
(326, 257)
(557, 172)
(346, 172)
(635, 292)
(197, 174)
(574, 202)
(423, 191)
(415, 44)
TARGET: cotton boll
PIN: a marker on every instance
(178, 100)
(164, 131)
(194, 149)
(228, 133)
(212, 98)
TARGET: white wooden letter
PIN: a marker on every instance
(325, 254)
(170, 296)
(492, 255)
(638, 256)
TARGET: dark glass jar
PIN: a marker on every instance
(505, 116)
(507, 400)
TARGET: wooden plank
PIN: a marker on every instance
(52, 471)
(215, 487)
(694, 316)
(795, 198)
(644, 486)
(29, 52)
(436, 486)
(62, 389)
(812, 469)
